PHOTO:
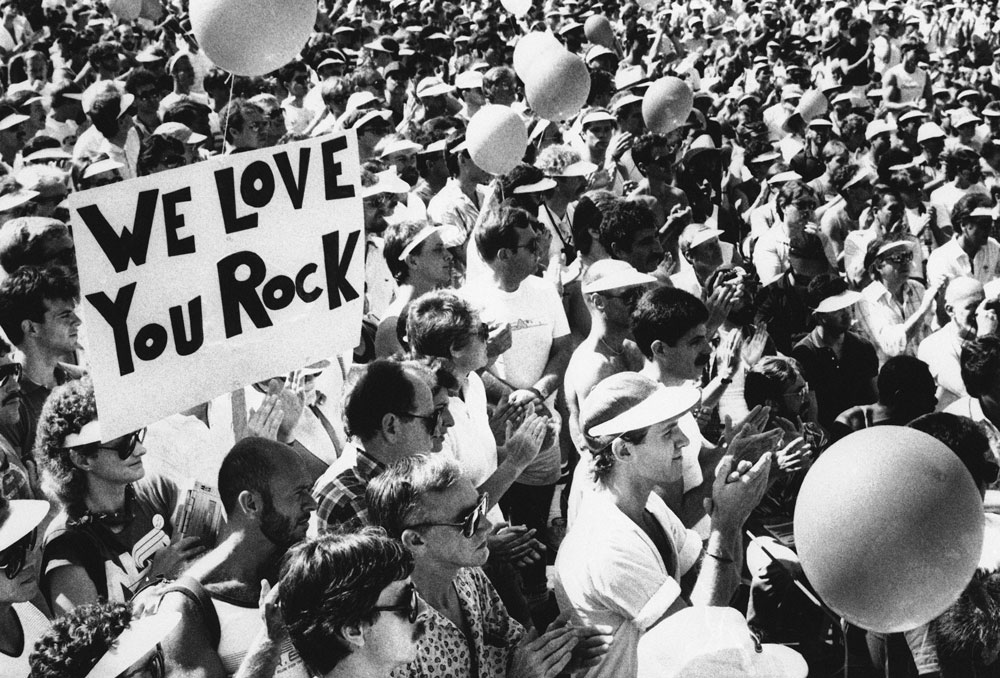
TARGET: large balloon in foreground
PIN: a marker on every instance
(558, 86)
(889, 528)
(531, 48)
(667, 104)
(496, 138)
(252, 37)
(516, 7)
(598, 30)
(126, 10)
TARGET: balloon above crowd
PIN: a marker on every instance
(557, 86)
(252, 37)
(667, 104)
(516, 7)
(532, 49)
(599, 31)
(889, 528)
(496, 138)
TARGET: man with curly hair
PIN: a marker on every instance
(349, 604)
(114, 531)
(38, 313)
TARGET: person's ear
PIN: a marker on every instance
(657, 348)
(81, 461)
(353, 635)
(620, 450)
(390, 425)
(250, 502)
(412, 540)
(597, 300)
(27, 327)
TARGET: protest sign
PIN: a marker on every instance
(200, 280)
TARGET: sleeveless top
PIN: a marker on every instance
(34, 624)
(911, 85)
(240, 625)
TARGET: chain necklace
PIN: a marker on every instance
(611, 350)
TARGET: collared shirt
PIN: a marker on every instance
(880, 319)
(951, 261)
(839, 382)
(942, 351)
(340, 491)
(484, 649)
(770, 255)
(455, 211)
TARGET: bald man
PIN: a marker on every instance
(941, 350)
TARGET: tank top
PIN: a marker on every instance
(240, 625)
(34, 624)
(911, 85)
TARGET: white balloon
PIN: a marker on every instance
(252, 37)
(531, 48)
(516, 7)
(496, 138)
(126, 10)
(557, 86)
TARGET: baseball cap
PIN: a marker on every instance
(698, 234)
(431, 87)
(19, 518)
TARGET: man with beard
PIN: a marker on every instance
(839, 366)
(402, 154)
(266, 495)
(942, 350)
(628, 233)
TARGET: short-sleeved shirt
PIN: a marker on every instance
(340, 491)
(839, 383)
(609, 572)
(114, 561)
(951, 261)
(484, 651)
(880, 319)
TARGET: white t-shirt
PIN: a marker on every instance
(609, 572)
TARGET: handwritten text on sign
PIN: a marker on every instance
(206, 278)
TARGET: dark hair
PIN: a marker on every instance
(38, 143)
(902, 380)
(965, 206)
(380, 388)
(665, 314)
(156, 148)
(980, 364)
(965, 438)
(68, 409)
(103, 51)
(77, 640)
(335, 581)
(437, 321)
(792, 191)
(397, 237)
(24, 241)
(961, 159)
(498, 230)
(216, 78)
(824, 286)
(139, 78)
(189, 112)
(642, 148)
(766, 380)
(394, 494)
(249, 465)
(23, 296)
(586, 216)
(621, 220)
(233, 116)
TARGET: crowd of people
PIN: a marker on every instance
(585, 392)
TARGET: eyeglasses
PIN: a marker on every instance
(276, 114)
(173, 162)
(154, 668)
(411, 608)
(470, 523)
(899, 259)
(531, 246)
(124, 446)
(8, 372)
(301, 79)
(13, 558)
(430, 420)
(805, 205)
(482, 332)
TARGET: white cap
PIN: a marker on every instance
(613, 274)
(839, 301)
(664, 404)
(422, 235)
(540, 186)
(930, 130)
(877, 127)
(387, 181)
(963, 116)
(469, 80)
(580, 168)
(22, 516)
(181, 132)
(699, 234)
(101, 166)
(401, 146)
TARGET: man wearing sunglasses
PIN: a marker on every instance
(113, 533)
(21, 623)
(265, 491)
(390, 414)
(440, 517)
(350, 606)
(245, 126)
(38, 313)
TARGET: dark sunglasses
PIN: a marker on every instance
(483, 331)
(902, 258)
(8, 372)
(124, 446)
(470, 523)
(411, 608)
(430, 420)
(13, 558)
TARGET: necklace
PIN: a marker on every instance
(611, 350)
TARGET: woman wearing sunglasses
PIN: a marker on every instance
(113, 532)
(21, 623)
